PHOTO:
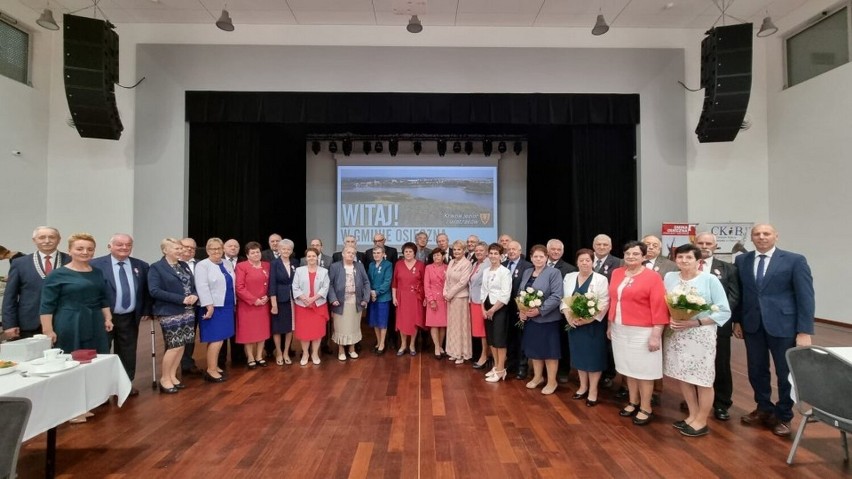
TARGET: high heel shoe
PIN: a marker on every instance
(210, 379)
(476, 365)
(534, 384)
(591, 402)
(165, 390)
(579, 396)
(496, 377)
(625, 413)
(304, 361)
(180, 386)
(549, 389)
(315, 360)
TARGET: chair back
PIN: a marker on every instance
(824, 381)
(14, 414)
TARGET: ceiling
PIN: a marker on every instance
(458, 13)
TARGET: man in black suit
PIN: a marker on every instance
(390, 252)
(126, 281)
(443, 242)
(555, 250)
(238, 352)
(516, 360)
(654, 260)
(22, 298)
(324, 260)
(359, 256)
(605, 264)
(723, 385)
(271, 254)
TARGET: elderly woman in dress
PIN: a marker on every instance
(496, 293)
(637, 316)
(281, 273)
(587, 337)
(253, 309)
(456, 293)
(408, 297)
(690, 352)
(477, 320)
(348, 294)
(310, 312)
(172, 289)
(214, 281)
(380, 273)
(436, 304)
(541, 323)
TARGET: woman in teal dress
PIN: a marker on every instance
(74, 309)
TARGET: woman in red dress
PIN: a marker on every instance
(407, 289)
(253, 305)
(310, 288)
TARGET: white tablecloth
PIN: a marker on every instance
(62, 396)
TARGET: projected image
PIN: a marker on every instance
(400, 201)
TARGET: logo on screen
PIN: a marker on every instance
(485, 218)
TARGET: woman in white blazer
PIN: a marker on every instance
(587, 337)
(214, 282)
(310, 289)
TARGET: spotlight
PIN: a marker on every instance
(600, 26)
(224, 22)
(486, 147)
(457, 147)
(379, 148)
(501, 147)
(315, 147)
(347, 147)
(332, 146)
(468, 147)
(46, 20)
(418, 147)
(442, 147)
(518, 147)
(414, 25)
(368, 146)
(393, 147)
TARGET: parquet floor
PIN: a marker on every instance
(413, 417)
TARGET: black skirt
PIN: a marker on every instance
(497, 328)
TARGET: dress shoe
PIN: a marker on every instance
(303, 361)
(134, 392)
(534, 384)
(580, 395)
(781, 428)
(625, 413)
(341, 357)
(606, 383)
(165, 390)
(756, 418)
(262, 363)
(180, 385)
(721, 413)
(549, 389)
(401, 352)
(522, 374)
(211, 379)
(643, 422)
(679, 425)
(562, 378)
(252, 364)
(353, 354)
(380, 352)
(496, 377)
(591, 402)
(315, 360)
(622, 393)
(689, 431)
(477, 365)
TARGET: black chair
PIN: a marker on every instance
(823, 387)
(14, 414)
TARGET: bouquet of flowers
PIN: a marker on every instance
(582, 306)
(528, 299)
(685, 303)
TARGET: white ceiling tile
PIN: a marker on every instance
(496, 19)
(233, 5)
(158, 5)
(333, 6)
(176, 15)
(499, 6)
(262, 17)
(336, 18)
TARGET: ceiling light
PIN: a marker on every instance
(414, 25)
(486, 147)
(457, 147)
(767, 28)
(501, 147)
(332, 146)
(379, 148)
(315, 147)
(224, 22)
(600, 26)
(442, 147)
(46, 20)
(367, 147)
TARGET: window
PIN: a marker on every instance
(14, 53)
(818, 47)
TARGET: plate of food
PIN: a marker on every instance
(6, 367)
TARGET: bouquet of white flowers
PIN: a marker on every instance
(528, 299)
(685, 303)
(582, 306)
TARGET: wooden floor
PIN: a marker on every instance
(414, 417)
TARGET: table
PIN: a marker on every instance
(59, 397)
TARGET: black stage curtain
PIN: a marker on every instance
(248, 158)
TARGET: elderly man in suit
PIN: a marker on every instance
(353, 242)
(605, 264)
(723, 385)
(776, 313)
(516, 360)
(421, 239)
(323, 260)
(555, 250)
(126, 281)
(471, 243)
(238, 353)
(23, 287)
(654, 261)
(443, 242)
(271, 254)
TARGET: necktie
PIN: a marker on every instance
(701, 265)
(47, 266)
(648, 264)
(511, 266)
(761, 269)
(125, 286)
(233, 262)
(550, 264)
(598, 265)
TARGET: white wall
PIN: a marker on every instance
(810, 167)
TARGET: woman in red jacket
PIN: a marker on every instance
(637, 316)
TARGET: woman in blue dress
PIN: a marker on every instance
(587, 337)
(280, 292)
(214, 282)
(380, 273)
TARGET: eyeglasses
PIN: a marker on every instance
(379, 240)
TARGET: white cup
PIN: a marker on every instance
(52, 354)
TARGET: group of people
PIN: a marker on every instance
(457, 292)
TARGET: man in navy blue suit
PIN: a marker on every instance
(126, 280)
(22, 298)
(516, 360)
(776, 313)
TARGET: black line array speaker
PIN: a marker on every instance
(726, 56)
(91, 71)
